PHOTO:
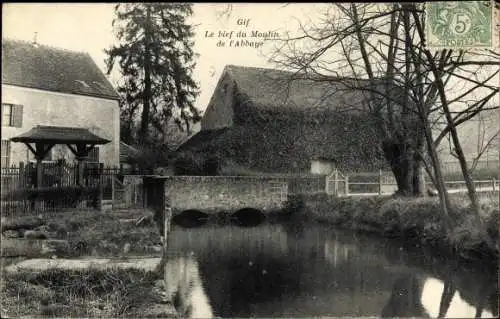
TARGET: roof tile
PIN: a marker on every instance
(53, 69)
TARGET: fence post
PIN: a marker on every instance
(21, 175)
(113, 180)
(100, 197)
(346, 185)
(145, 191)
(336, 184)
(380, 182)
(327, 183)
(166, 226)
(136, 192)
(424, 182)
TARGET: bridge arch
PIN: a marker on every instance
(190, 218)
(248, 216)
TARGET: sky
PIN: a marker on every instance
(87, 28)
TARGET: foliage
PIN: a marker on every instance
(58, 197)
(155, 57)
(418, 219)
(287, 143)
(212, 165)
(152, 155)
(187, 163)
(197, 164)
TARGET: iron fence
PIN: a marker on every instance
(62, 186)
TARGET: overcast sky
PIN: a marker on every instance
(87, 27)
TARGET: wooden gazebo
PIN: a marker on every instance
(79, 140)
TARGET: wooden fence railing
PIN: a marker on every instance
(384, 183)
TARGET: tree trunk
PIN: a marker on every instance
(446, 297)
(143, 134)
(418, 169)
(444, 199)
(456, 142)
(406, 167)
(418, 179)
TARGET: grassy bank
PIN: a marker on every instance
(89, 232)
(110, 293)
(413, 219)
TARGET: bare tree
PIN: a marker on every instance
(486, 135)
(381, 44)
(418, 97)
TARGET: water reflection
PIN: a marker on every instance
(185, 288)
(452, 304)
(281, 271)
(405, 300)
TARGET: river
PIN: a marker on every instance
(279, 270)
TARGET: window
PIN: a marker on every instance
(12, 115)
(7, 115)
(5, 153)
(93, 156)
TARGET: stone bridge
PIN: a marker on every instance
(213, 194)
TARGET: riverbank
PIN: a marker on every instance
(79, 233)
(416, 220)
(84, 293)
(125, 289)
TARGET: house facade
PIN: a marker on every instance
(480, 141)
(43, 85)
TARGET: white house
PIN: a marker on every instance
(42, 85)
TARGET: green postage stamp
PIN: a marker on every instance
(459, 24)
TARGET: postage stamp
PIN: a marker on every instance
(459, 24)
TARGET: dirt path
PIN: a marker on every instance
(41, 264)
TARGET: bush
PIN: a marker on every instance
(197, 164)
(212, 165)
(59, 197)
(188, 164)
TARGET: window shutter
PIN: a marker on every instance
(17, 115)
(5, 153)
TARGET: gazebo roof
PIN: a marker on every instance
(59, 135)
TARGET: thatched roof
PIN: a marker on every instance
(53, 69)
(277, 121)
(277, 89)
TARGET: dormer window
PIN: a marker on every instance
(99, 84)
(83, 83)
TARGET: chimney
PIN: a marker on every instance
(35, 43)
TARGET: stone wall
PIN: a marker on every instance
(212, 194)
